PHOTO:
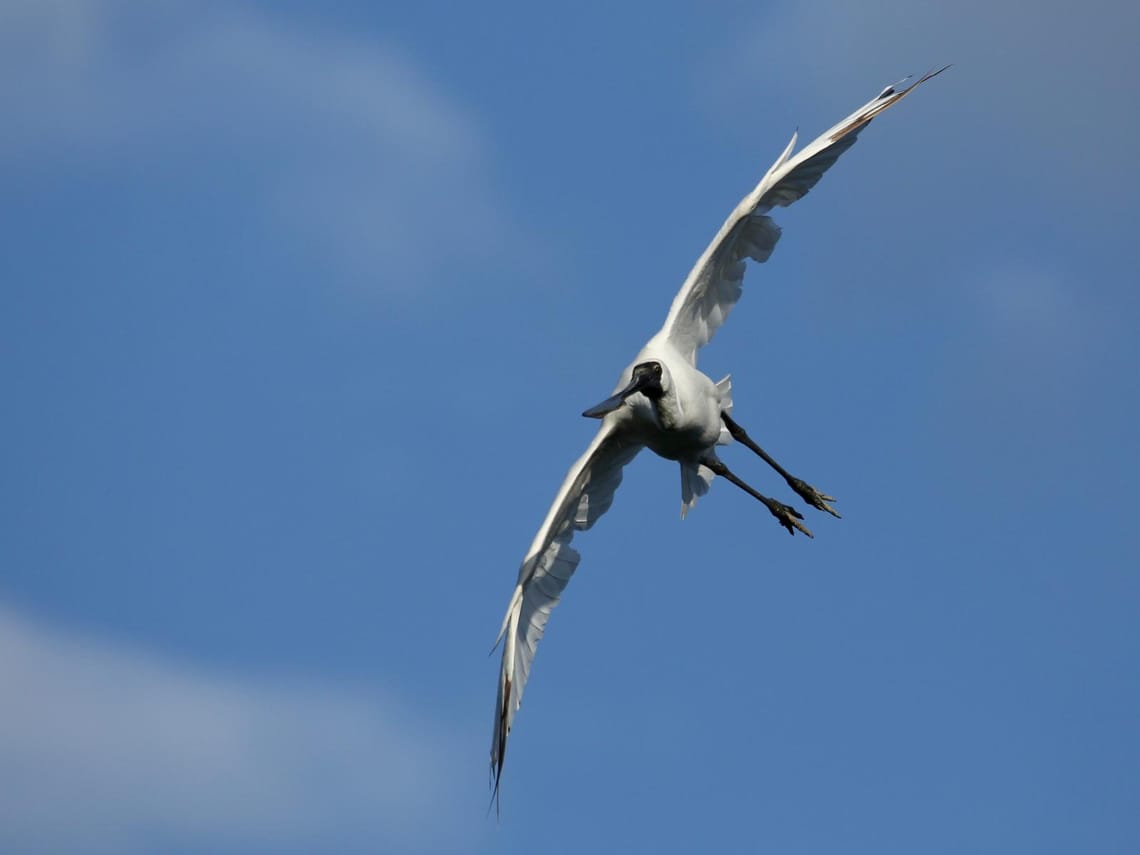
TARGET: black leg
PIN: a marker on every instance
(787, 516)
(807, 492)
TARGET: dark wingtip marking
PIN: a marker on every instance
(497, 771)
(888, 97)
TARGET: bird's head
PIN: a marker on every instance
(649, 378)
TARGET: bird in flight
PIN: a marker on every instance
(664, 403)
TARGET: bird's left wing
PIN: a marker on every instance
(586, 494)
(714, 284)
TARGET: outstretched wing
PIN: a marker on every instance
(714, 284)
(586, 494)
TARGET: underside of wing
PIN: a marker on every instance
(715, 282)
(586, 494)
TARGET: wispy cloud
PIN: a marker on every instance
(340, 137)
(1020, 380)
(1042, 81)
(1030, 301)
(1029, 324)
(109, 749)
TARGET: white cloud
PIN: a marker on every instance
(107, 749)
(341, 138)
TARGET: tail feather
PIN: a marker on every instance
(696, 478)
(724, 391)
(695, 481)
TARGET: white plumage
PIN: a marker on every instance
(664, 403)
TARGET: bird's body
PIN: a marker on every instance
(664, 403)
(685, 421)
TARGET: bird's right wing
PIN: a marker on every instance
(586, 494)
(715, 282)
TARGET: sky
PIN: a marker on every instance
(300, 304)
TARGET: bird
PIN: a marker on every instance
(664, 403)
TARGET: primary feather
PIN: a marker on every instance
(587, 492)
(715, 283)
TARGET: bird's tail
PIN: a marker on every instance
(724, 393)
(695, 478)
(695, 481)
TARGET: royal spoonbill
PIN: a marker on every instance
(664, 403)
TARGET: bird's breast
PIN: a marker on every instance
(678, 429)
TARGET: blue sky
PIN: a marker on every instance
(299, 307)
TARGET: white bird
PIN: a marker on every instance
(663, 402)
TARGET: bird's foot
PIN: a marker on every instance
(813, 496)
(788, 517)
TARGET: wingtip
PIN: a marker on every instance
(495, 803)
(931, 74)
(899, 89)
(499, 745)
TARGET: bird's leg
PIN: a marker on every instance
(806, 491)
(787, 516)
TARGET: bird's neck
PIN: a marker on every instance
(668, 410)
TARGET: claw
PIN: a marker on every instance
(788, 517)
(813, 496)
